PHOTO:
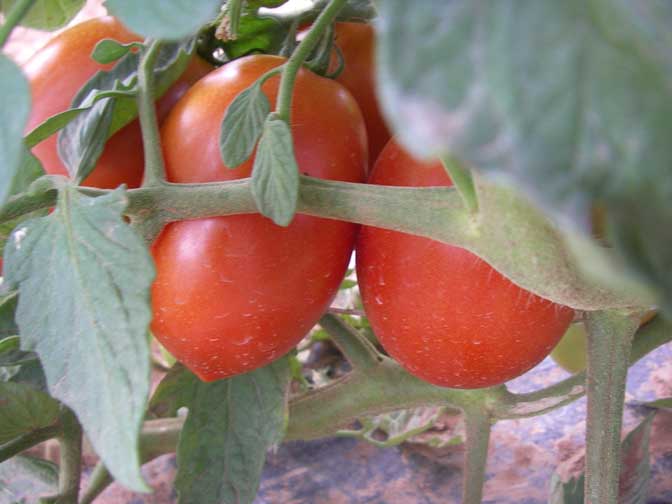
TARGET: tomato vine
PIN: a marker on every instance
(78, 258)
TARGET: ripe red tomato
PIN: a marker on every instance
(357, 44)
(237, 292)
(57, 71)
(443, 313)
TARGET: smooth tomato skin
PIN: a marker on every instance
(443, 313)
(234, 293)
(357, 44)
(57, 71)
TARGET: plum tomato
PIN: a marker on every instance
(443, 313)
(234, 293)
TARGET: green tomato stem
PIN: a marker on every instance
(463, 181)
(609, 342)
(355, 347)
(14, 17)
(157, 438)
(302, 51)
(649, 337)
(234, 9)
(540, 263)
(70, 459)
(22, 443)
(155, 172)
(99, 481)
(386, 387)
(478, 426)
(383, 388)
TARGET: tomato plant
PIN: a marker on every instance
(227, 288)
(58, 70)
(235, 240)
(450, 319)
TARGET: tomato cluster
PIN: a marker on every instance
(234, 293)
(61, 68)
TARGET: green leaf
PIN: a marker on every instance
(108, 50)
(8, 327)
(242, 125)
(574, 114)
(29, 373)
(566, 492)
(164, 19)
(636, 467)
(59, 121)
(275, 174)
(14, 109)
(397, 427)
(256, 34)
(84, 278)
(29, 172)
(231, 425)
(665, 403)
(11, 353)
(175, 391)
(10, 346)
(47, 14)
(81, 147)
(24, 410)
(24, 479)
(107, 107)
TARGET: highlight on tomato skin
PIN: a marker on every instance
(234, 293)
(57, 72)
(443, 313)
(356, 43)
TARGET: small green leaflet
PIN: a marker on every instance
(665, 403)
(84, 278)
(59, 121)
(24, 410)
(47, 14)
(14, 109)
(242, 125)
(566, 492)
(108, 50)
(81, 149)
(23, 479)
(275, 174)
(10, 347)
(108, 100)
(256, 34)
(164, 19)
(231, 425)
(175, 391)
